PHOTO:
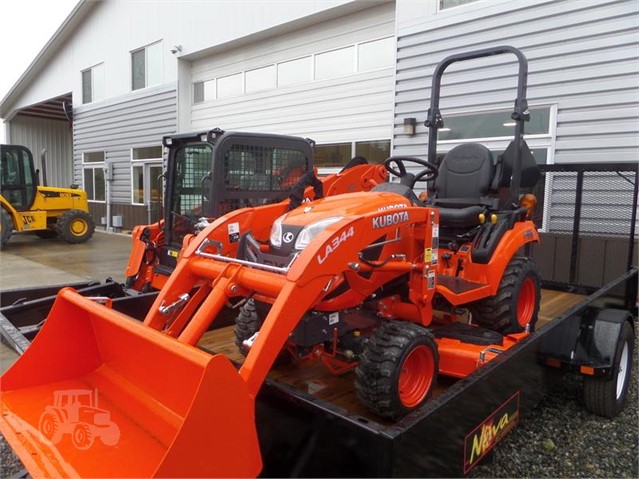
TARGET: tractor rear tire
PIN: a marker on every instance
(76, 226)
(6, 227)
(607, 396)
(397, 369)
(50, 426)
(515, 307)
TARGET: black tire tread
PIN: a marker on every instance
(600, 394)
(374, 381)
(7, 226)
(247, 323)
(64, 226)
(498, 312)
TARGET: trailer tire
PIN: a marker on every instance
(6, 227)
(607, 396)
(397, 370)
(75, 226)
(515, 307)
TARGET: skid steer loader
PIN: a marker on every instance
(46, 211)
(210, 173)
(358, 280)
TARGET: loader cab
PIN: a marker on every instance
(18, 177)
(212, 173)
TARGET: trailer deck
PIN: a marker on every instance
(312, 377)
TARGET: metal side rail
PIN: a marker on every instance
(12, 335)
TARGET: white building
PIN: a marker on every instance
(344, 73)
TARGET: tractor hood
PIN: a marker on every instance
(294, 230)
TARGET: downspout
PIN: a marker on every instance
(108, 174)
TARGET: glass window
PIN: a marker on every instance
(137, 183)
(138, 69)
(198, 92)
(146, 66)
(94, 183)
(493, 124)
(295, 71)
(203, 91)
(87, 88)
(154, 64)
(147, 153)
(374, 151)
(93, 84)
(335, 63)
(376, 54)
(93, 157)
(229, 86)
(443, 4)
(333, 155)
(260, 79)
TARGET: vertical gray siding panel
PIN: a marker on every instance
(116, 126)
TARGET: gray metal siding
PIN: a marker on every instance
(140, 119)
(582, 56)
(56, 136)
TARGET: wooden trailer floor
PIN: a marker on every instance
(313, 378)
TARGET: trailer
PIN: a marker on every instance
(310, 423)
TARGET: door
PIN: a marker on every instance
(17, 176)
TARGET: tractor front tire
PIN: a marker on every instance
(397, 370)
(76, 226)
(82, 436)
(515, 307)
(607, 396)
(6, 227)
(247, 323)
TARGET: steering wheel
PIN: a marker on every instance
(429, 172)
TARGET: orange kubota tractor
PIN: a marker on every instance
(369, 281)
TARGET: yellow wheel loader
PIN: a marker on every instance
(45, 211)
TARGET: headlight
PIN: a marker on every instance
(276, 232)
(311, 231)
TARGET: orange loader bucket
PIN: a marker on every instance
(98, 394)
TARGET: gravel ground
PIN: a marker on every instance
(558, 438)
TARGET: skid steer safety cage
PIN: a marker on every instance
(589, 217)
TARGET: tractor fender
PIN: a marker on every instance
(510, 243)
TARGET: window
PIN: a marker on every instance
(203, 91)
(377, 54)
(338, 154)
(260, 79)
(146, 66)
(443, 4)
(230, 86)
(335, 63)
(146, 169)
(295, 71)
(93, 84)
(495, 130)
(93, 175)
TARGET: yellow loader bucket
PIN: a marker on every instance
(98, 394)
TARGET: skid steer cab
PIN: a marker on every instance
(378, 284)
(27, 206)
(211, 173)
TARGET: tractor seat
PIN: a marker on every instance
(461, 189)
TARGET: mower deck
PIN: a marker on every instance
(312, 378)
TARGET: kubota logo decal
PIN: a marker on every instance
(334, 244)
(492, 430)
(76, 412)
(390, 219)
